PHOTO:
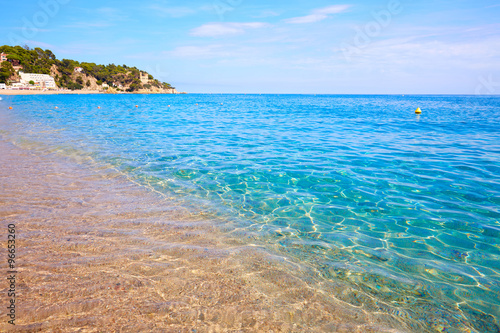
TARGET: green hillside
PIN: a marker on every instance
(45, 62)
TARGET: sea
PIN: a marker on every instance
(402, 209)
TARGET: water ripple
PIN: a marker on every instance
(403, 208)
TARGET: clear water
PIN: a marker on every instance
(404, 208)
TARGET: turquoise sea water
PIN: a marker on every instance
(405, 208)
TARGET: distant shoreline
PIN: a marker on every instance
(47, 92)
(72, 92)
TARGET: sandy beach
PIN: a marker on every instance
(8, 92)
(96, 252)
(47, 92)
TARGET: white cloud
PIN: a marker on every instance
(225, 29)
(331, 9)
(318, 14)
(173, 11)
(422, 54)
(104, 17)
(108, 11)
(87, 25)
(267, 13)
(307, 19)
(195, 51)
(35, 43)
(208, 51)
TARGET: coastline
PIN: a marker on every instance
(97, 251)
(8, 92)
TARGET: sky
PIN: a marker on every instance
(243, 46)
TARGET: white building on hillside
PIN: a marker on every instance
(42, 80)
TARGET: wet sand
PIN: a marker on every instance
(98, 253)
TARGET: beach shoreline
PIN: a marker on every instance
(149, 200)
(9, 92)
(96, 251)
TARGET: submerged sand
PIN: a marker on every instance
(98, 253)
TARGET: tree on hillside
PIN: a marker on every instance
(6, 71)
(13, 56)
(50, 54)
(74, 86)
(167, 86)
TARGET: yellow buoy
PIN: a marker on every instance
(418, 111)
(10, 107)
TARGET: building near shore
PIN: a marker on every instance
(15, 63)
(41, 80)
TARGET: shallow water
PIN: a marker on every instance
(387, 212)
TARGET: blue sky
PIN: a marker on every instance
(315, 46)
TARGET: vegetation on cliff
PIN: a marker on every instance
(42, 61)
